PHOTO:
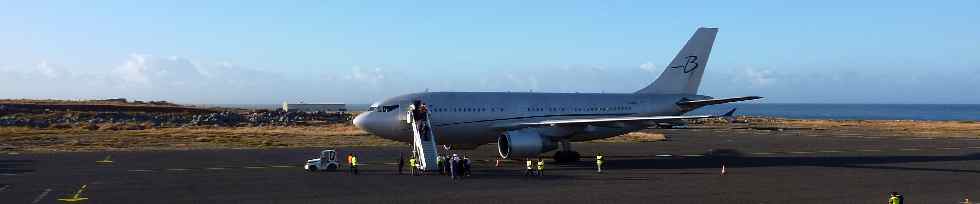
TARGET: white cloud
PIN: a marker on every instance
(755, 77)
(649, 67)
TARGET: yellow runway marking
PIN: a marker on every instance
(869, 150)
(39, 197)
(909, 149)
(254, 167)
(282, 166)
(215, 168)
(801, 152)
(178, 169)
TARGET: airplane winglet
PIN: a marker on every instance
(730, 115)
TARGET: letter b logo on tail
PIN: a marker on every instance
(690, 64)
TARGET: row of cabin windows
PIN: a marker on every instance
(592, 109)
(589, 109)
(467, 110)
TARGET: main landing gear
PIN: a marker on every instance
(565, 154)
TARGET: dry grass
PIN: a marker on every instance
(894, 127)
(634, 137)
(78, 139)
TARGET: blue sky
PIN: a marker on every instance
(358, 52)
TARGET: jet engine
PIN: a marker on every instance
(518, 144)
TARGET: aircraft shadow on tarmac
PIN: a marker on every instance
(16, 166)
(734, 159)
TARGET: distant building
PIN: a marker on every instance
(314, 107)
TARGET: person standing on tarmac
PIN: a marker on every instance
(894, 198)
(411, 162)
(598, 162)
(441, 162)
(529, 170)
(466, 165)
(540, 166)
(401, 162)
(453, 169)
(353, 163)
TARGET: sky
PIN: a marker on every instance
(267, 52)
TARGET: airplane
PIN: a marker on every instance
(527, 124)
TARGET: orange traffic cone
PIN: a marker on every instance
(723, 169)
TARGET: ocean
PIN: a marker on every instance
(851, 111)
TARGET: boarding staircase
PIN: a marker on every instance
(425, 145)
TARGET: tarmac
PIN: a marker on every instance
(793, 166)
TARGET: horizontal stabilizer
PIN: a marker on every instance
(700, 103)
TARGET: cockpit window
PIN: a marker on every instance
(387, 108)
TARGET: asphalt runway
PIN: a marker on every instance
(810, 166)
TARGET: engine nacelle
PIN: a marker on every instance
(518, 144)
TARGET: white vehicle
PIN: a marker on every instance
(326, 162)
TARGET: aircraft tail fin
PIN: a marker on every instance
(683, 74)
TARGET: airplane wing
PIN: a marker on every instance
(699, 103)
(588, 121)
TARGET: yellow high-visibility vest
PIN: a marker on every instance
(412, 162)
(529, 165)
(598, 159)
(353, 161)
(540, 165)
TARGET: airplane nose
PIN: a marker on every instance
(359, 120)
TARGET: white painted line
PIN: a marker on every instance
(254, 167)
(139, 170)
(178, 169)
(692, 155)
(909, 149)
(215, 168)
(869, 150)
(391, 163)
(974, 147)
(763, 153)
(283, 166)
(665, 155)
(4, 188)
(39, 197)
(801, 152)
(831, 151)
(13, 153)
(951, 148)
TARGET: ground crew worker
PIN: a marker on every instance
(411, 161)
(401, 162)
(598, 162)
(529, 167)
(353, 164)
(540, 167)
(894, 198)
(441, 163)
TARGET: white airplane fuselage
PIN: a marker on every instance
(525, 124)
(471, 118)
